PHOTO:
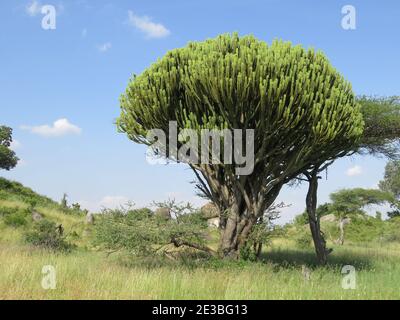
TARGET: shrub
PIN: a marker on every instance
(14, 217)
(45, 235)
(142, 233)
(17, 218)
(303, 240)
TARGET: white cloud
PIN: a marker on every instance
(21, 163)
(33, 8)
(84, 33)
(113, 202)
(104, 47)
(354, 171)
(15, 144)
(148, 27)
(60, 127)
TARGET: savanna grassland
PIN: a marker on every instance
(86, 272)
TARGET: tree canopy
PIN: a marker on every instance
(8, 158)
(346, 202)
(382, 126)
(301, 109)
(391, 180)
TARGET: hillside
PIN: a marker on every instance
(18, 204)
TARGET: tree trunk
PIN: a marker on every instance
(311, 204)
(341, 228)
(235, 233)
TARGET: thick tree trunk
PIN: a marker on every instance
(311, 203)
(235, 233)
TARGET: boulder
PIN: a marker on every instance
(213, 222)
(36, 216)
(89, 218)
(209, 211)
(164, 213)
(328, 218)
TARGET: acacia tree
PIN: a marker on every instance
(380, 138)
(350, 202)
(8, 159)
(391, 183)
(298, 105)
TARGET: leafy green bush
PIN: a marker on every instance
(14, 216)
(142, 233)
(303, 240)
(45, 235)
(5, 211)
(17, 219)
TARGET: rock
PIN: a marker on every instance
(328, 218)
(213, 222)
(89, 218)
(163, 213)
(210, 211)
(36, 216)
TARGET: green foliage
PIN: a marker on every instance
(391, 180)
(8, 159)
(382, 126)
(44, 234)
(303, 239)
(215, 83)
(141, 233)
(14, 216)
(11, 189)
(347, 202)
(364, 229)
(322, 210)
(302, 110)
(17, 218)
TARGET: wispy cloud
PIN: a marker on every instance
(354, 171)
(60, 127)
(147, 26)
(15, 144)
(84, 33)
(33, 8)
(104, 47)
(112, 202)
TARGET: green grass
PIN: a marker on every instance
(91, 275)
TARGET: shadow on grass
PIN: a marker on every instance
(287, 258)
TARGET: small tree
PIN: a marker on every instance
(350, 202)
(391, 180)
(301, 109)
(8, 159)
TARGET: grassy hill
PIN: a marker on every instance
(87, 273)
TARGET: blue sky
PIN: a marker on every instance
(60, 88)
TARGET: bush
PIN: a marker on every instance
(303, 240)
(142, 233)
(14, 217)
(45, 235)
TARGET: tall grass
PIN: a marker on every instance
(91, 275)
